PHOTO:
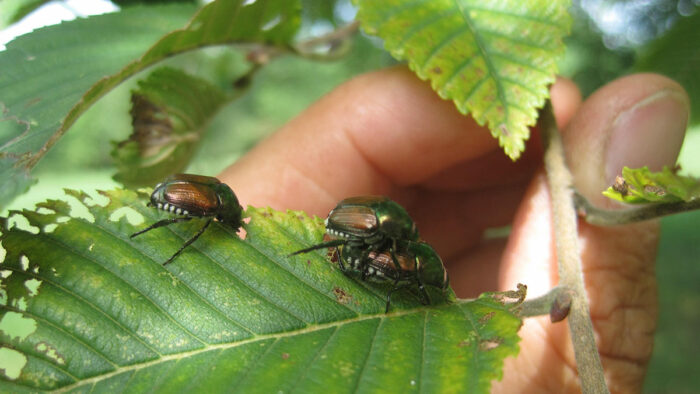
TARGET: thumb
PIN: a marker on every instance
(634, 121)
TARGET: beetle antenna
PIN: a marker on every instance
(322, 245)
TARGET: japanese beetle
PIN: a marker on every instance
(194, 196)
(367, 223)
(418, 264)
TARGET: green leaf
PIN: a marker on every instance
(494, 59)
(676, 54)
(50, 77)
(123, 3)
(87, 308)
(46, 73)
(641, 186)
(12, 11)
(170, 112)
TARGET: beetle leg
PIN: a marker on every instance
(396, 287)
(189, 242)
(424, 293)
(341, 259)
(164, 222)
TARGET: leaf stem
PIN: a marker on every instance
(609, 217)
(334, 41)
(590, 369)
(543, 305)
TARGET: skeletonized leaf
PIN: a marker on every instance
(89, 309)
(641, 186)
(494, 59)
(169, 112)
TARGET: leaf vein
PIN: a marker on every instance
(530, 18)
(519, 41)
(369, 354)
(293, 236)
(487, 60)
(70, 249)
(61, 329)
(232, 275)
(395, 11)
(442, 44)
(313, 361)
(231, 345)
(251, 366)
(424, 24)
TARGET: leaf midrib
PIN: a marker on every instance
(231, 345)
(489, 65)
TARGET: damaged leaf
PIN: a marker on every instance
(229, 312)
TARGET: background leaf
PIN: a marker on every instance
(495, 59)
(13, 10)
(677, 55)
(46, 73)
(87, 308)
(25, 139)
(170, 111)
(641, 186)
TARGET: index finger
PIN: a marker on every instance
(376, 134)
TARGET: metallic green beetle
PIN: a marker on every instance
(195, 196)
(366, 224)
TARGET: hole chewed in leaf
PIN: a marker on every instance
(11, 363)
(18, 220)
(50, 352)
(15, 325)
(32, 286)
(490, 344)
(131, 215)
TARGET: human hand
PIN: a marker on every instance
(388, 133)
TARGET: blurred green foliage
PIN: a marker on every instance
(278, 92)
(677, 55)
(587, 60)
(673, 367)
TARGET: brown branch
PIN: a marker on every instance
(334, 41)
(590, 370)
(609, 217)
(556, 303)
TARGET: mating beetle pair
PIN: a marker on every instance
(195, 196)
(378, 239)
(418, 264)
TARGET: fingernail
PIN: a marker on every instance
(650, 133)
